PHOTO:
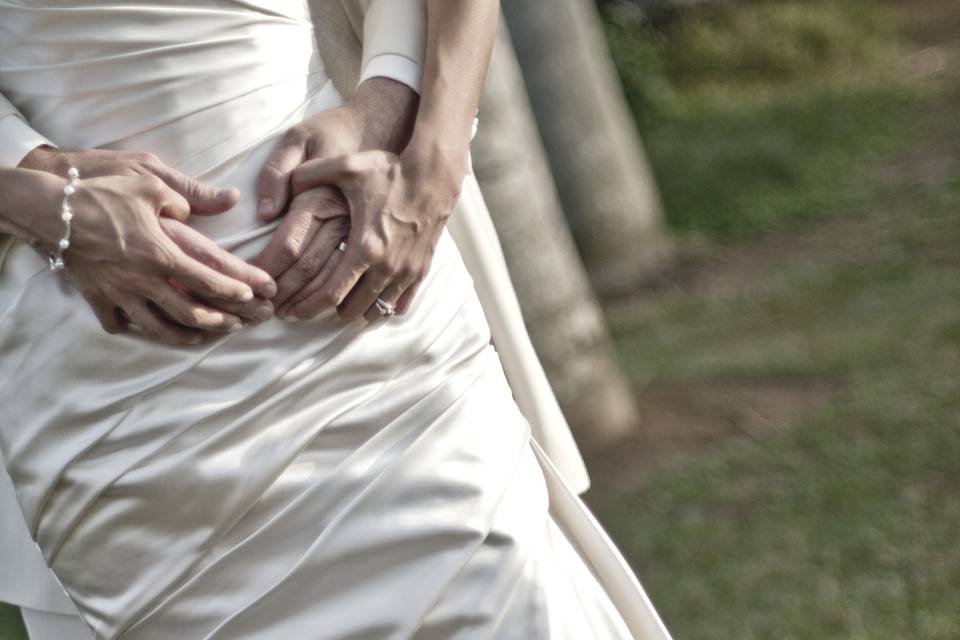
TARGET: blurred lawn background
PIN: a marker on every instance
(799, 473)
(799, 370)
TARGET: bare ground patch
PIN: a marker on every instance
(682, 419)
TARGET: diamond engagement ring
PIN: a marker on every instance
(385, 308)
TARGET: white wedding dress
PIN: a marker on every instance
(310, 480)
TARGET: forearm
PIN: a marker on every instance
(386, 110)
(460, 35)
(30, 206)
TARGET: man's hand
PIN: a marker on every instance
(380, 116)
(301, 255)
(302, 252)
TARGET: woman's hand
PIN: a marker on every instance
(302, 253)
(399, 205)
(202, 198)
(124, 259)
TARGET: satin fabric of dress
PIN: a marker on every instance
(316, 480)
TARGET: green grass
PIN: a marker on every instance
(11, 627)
(845, 524)
(759, 116)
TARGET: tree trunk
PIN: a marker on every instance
(606, 186)
(560, 310)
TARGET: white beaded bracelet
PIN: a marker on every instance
(66, 214)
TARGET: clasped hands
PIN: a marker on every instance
(338, 175)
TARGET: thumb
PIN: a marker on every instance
(273, 183)
(203, 198)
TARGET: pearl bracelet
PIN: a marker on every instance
(66, 214)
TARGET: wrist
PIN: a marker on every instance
(385, 111)
(444, 165)
(43, 227)
(46, 158)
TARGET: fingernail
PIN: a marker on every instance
(268, 290)
(247, 296)
(263, 313)
(291, 319)
(266, 207)
(235, 327)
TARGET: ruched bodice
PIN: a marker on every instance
(200, 84)
(103, 74)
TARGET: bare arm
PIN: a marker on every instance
(30, 210)
(399, 204)
(460, 35)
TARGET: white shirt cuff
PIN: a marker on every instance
(17, 139)
(396, 67)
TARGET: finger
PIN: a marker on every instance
(106, 312)
(288, 243)
(363, 295)
(203, 281)
(153, 325)
(254, 311)
(273, 182)
(351, 267)
(202, 198)
(168, 202)
(326, 171)
(188, 312)
(310, 301)
(314, 259)
(204, 250)
(390, 294)
(406, 299)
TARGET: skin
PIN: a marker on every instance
(301, 254)
(203, 199)
(132, 267)
(398, 200)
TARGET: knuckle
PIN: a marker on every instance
(293, 135)
(326, 298)
(406, 272)
(159, 256)
(212, 261)
(152, 182)
(341, 224)
(146, 158)
(394, 265)
(291, 249)
(194, 317)
(306, 266)
(369, 252)
(352, 165)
